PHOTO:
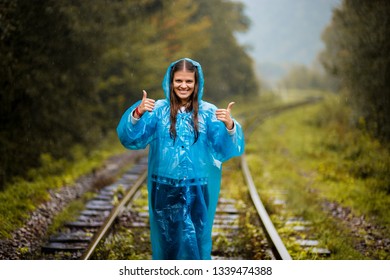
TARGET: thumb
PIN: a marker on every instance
(145, 95)
(229, 107)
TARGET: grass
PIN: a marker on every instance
(249, 243)
(123, 244)
(313, 155)
(69, 213)
(22, 196)
(126, 243)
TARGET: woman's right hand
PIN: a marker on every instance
(147, 104)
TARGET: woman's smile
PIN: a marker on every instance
(184, 85)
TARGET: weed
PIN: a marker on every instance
(314, 155)
(23, 195)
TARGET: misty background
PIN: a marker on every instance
(284, 33)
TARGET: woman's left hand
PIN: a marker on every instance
(224, 116)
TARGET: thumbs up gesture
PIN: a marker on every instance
(224, 116)
(146, 104)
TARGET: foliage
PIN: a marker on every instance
(358, 54)
(252, 238)
(47, 102)
(120, 245)
(68, 69)
(228, 68)
(303, 77)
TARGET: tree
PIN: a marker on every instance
(304, 77)
(48, 102)
(358, 53)
(228, 68)
(70, 68)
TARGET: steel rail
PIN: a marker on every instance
(115, 212)
(273, 237)
(277, 245)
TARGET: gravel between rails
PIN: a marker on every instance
(26, 241)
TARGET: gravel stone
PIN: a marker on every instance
(26, 241)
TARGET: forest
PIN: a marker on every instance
(357, 55)
(68, 69)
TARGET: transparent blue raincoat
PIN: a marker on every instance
(183, 177)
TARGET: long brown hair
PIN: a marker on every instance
(175, 103)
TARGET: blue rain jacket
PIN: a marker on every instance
(183, 177)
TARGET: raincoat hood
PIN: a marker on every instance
(167, 78)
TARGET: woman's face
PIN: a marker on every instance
(183, 85)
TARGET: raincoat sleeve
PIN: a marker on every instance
(136, 135)
(225, 145)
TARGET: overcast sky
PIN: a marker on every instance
(286, 31)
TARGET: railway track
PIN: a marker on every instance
(117, 204)
(79, 238)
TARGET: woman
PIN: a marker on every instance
(188, 141)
